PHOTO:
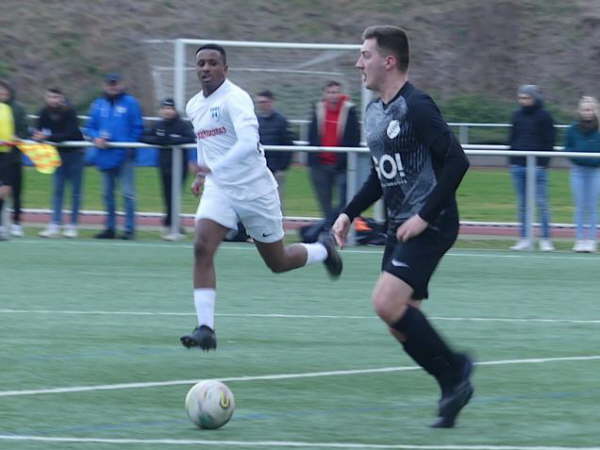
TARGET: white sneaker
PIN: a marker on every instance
(16, 230)
(581, 247)
(70, 231)
(546, 245)
(51, 231)
(171, 236)
(522, 244)
(591, 246)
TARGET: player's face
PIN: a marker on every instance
(525, 100)
(211, 69)
(371, 65)
(586, 111)
(54, 100)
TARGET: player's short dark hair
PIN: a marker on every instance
(53, 90)
(391, 39)
(331, 83)
(266, 93)
(216, 47)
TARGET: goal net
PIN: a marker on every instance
(295, 73)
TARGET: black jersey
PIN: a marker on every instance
(417, 162)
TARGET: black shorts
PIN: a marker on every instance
(7, 174)
(415, 260)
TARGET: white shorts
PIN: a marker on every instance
(261, 216)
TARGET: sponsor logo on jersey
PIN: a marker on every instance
(390, 170)
(393, 129)
(203, 134)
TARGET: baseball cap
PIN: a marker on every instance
(168, 102)
(112, 78)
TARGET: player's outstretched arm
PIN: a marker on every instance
(340, 229)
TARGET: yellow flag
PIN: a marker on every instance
(44, 156)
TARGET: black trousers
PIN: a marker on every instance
(166, 179)
(14, 173)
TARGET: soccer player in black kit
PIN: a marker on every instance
(417, 167)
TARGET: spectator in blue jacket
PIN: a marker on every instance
(583, 136)
(273, 129)
(533, 130)
(57, 122)
(115, 117)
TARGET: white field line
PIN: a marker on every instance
(108, 387)
(292, 316)
(475, 253)
(280, 444)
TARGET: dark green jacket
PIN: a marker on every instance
(578, 141)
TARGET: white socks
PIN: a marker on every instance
(315, 253)
(204, 299)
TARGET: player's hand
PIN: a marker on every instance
(411, 228)
(198, 182)
(100, 142)
(340, 229)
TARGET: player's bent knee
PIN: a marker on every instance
(203, 250)
(389, 309)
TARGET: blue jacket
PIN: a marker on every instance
(579, 141)
(118, 119)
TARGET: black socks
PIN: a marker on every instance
(427, 348)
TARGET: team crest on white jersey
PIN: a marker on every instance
(393, 129)
(215, 112)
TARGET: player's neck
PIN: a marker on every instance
(210, 89)
(391, 87)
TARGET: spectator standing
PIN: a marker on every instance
(532, 129)
(11, 159)
(116, 117)
(334, 123)
(170, 130)
(58, 122)
(583, 136)
(273, 129)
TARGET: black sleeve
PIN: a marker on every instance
(446, 152)
(287, 138)
(353, 127)
(368, 194)
(41, 120)
(149, 137)
(512, 132)
(186, 135)
(548, 132)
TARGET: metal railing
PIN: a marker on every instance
(352, 182)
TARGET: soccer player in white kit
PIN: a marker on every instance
(237, 186)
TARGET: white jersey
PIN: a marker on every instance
(238, 166)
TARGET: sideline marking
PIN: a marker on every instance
(258, 444)
(288, 376)
(476, 253)
(291, 316)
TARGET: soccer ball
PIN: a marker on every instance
(209, 404)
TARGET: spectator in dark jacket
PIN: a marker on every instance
(334, 123)
(12, 161)
(171, 130)
(532, 129)
(58, 122)
(584, 136)
(273, 129)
